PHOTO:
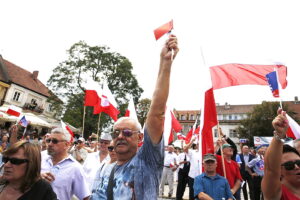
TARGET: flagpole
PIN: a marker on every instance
(84, 110)
(98, 126)
(24, 132)
(279, 87)
(222, 156)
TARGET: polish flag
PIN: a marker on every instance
(107, 104)
(91, 98)
(193, 131)
(294, 128)
(67, 128)
(171, 125)
(245, 74)
(180, 136)
(131, 112)
(14, 110)
(160, 31)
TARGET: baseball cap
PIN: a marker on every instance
(81, 139)
(226, 146)
(209, 156)
(105, 136)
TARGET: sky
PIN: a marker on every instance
(35, 35)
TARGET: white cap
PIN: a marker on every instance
(106, 136)
(81, 139)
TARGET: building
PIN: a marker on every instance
(229, 117)
(23, 89)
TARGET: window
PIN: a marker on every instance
(235, 117)
(233, 133)
(192, 117)
(33, 101)
(182, 117)
(50, 107)
(17, 96)
(230, 117)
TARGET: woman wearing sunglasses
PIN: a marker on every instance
(282, 165)
(21, 177)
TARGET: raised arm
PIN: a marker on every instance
(156, 114)
(271, 185)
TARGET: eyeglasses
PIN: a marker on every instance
(125, 132)
(104, 142)
(14, 161)
(110, 148)
(290, 165)
(54, 140)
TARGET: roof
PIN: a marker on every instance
(234, 109)
(22, 77)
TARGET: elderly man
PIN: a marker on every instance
(210, 185)
(137, 173)
(232, 170)
(59, 168)
(79, 152)
(96, 160)
(170, 164)
(282, 165)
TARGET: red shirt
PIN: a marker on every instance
(287, 195)
(232, 170)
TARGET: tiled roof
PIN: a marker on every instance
(24, 78)
(234, 109)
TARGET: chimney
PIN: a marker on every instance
(35, 75)
(227, 106)
(296, 100)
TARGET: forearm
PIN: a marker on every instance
(155, 118)
(272, 169)
(204, 196)
(236, 186)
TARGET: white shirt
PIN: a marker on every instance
(82, 153)
(69, 178)
(195, 163)
(181, 158)
(91, 165)
(170, 158)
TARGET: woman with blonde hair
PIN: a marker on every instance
(21, 178)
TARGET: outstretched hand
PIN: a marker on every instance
(171, 44)
(280, 123)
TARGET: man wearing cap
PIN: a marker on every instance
(96, 160)
(78, 152)
(257, 165)
(210, 185)
(232, 170)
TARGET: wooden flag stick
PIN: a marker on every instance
(222, 156)
(98, 128)
(83, 119)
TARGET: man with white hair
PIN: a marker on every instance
(59, 168)
(137, 173)
(79, 152)
(96, 160)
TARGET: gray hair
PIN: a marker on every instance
(65, 133)
(136, 123)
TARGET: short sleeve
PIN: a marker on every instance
(198, 187)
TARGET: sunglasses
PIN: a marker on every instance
(290, 165)
(54, 141)
(110, 148)
(14, 161)
(125, 132)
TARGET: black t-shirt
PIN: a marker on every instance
(41, 190)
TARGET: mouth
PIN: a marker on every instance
(121, 143)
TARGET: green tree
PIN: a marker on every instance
(142, 109)
(92, 63)
(259, 121)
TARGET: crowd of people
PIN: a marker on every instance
(114, 166)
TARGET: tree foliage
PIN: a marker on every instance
(92, 63)
(142, 109)
(259, 121)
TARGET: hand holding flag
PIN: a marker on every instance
(166, 28)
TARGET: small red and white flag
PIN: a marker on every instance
(107, 104)
(14, 110)
(180, 136)
(67, 128)
(131, 112)
(294, 128)
(171, 125)
(166, 28)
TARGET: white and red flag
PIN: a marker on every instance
(180, 136)
(131, 112)
(166, 28)
(294, 128)
(107, 104)
(14, 110)
(171, 125)
(67, 128)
